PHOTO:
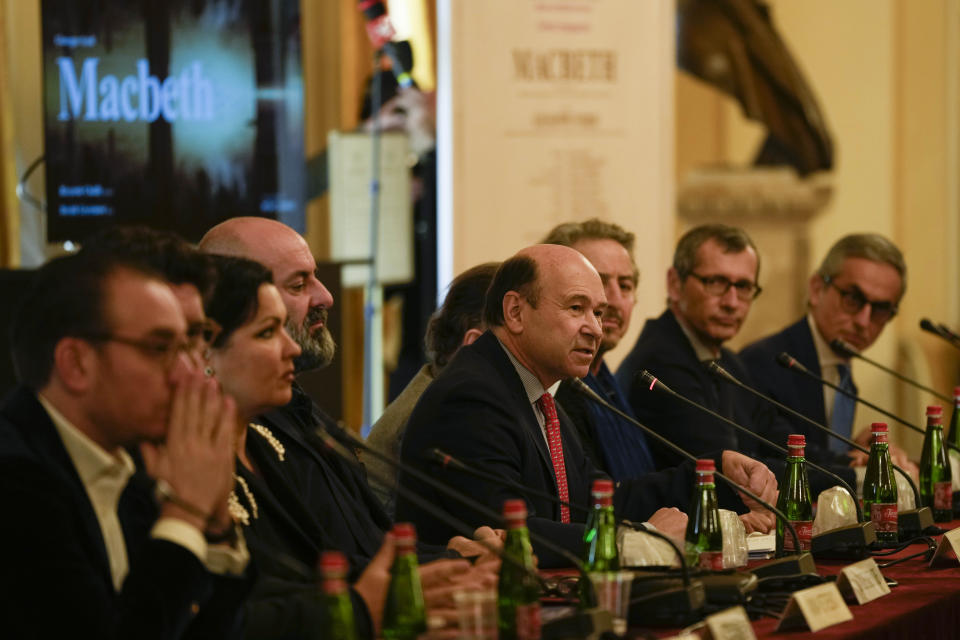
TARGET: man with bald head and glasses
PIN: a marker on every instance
(852, 296)
(711, 286)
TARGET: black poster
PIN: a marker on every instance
(172, 113)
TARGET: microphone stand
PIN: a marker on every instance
(911, 522)
(590, 622)
(668, 606)
(848, 350)
(799, 563)
(843, 542)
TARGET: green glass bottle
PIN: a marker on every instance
(794, 500)
(600, 534)
(936, 477)
(953, 442)
(518, 594)
(404, 614)
(335, 597)
(880, 487)
(704, 539)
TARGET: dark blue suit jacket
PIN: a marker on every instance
(664, 350)
(797, 391)
(477, 410)
(56, 576)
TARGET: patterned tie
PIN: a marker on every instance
(841, 420)
(549, 410)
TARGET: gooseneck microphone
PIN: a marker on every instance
(801, 562)
(447, 461)
(841, 542)
(663, 602)
(787, 361)
(716, 369)
(912, 520)
(842, 347)
(941, 332)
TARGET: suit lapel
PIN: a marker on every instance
(490, 346)
(28, 417)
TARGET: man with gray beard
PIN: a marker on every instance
(347, 515)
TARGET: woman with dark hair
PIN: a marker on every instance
(275, 496)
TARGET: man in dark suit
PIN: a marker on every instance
(710, 288)
(852, 296)
(99, 346)
(491, 407)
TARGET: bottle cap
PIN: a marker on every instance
(405, 534)
(956, 392)
(706, 466)
(934, 410)
(602, 486)
(514, 509)
(796, 440)
(333, 564)
(878, 427)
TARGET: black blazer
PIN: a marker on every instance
(56, 576)
(664, 350)
(477, 411)
(794, 390)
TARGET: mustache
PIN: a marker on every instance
(315, 315)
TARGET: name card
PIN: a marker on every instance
(863, 581)
(816, 608)
(949, 543)
(730, 624)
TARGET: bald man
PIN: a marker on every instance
(492, 406)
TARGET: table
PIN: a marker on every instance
(925, 605)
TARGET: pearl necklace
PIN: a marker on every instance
(237, 511)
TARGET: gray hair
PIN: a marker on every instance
(570, 233)
(870, 246)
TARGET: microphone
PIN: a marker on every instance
(662, 603)
(445, 460)
(802, 562)
(911, 522)
(948, 332)
(851, 540)
(938, 331)
(789, 362)
(590, 622)
(849, 351)
(380, 31)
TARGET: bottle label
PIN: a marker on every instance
(711, 560)
(884, 516)
(528, 621)
(943, 495)
(804, 533)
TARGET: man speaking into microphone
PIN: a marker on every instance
(852, 296)
(492, 407)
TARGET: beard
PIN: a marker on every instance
(317, 348)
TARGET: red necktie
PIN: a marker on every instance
(549, 410)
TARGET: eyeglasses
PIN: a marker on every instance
(852, 300)
(203, 333)
(719, 285)
(163, 351)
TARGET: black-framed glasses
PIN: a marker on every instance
(164, 351)
(852, 300)
(719, 285)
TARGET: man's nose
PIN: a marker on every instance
(320, 296)
(862, 318)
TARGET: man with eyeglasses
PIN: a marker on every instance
(711, 285)
(99, 345)
(852, 296)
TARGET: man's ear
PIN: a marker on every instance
(470, 336)
(513, 306)
(674, 284)
(73, 363)
(815, 288)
